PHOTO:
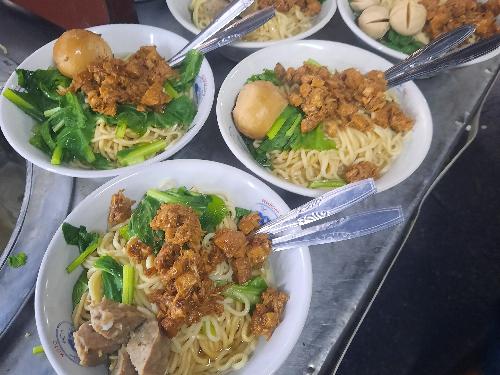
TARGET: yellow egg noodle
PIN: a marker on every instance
(282, 26)
(379, 146)
(215, 344)
(108, 144)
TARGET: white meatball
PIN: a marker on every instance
(374, 21)
(361, 5)
(258, 105)
(408, 17)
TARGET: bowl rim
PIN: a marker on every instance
(346, 12)
(204, 109)
(258, 45)
(263, 173)
(205, 165)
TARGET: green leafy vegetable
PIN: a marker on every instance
(240, 212)
(266, 75)
(79, 288)
(37, 350)
(101, 162)
(251, 290)
(180, 111)
(169, 89)
(402, 43)
(138, 225)
(128, 284)
(112, 277)
(312, 62)
(78, 236)
(189, 69)
(110, 287)
(325, 184)
(211, 208)
(215, 212)
(260, 156)
(23, 102)
(313, 140)
(17, 260)
(42, 82)
(128, 117)
(83, 255)
(137, 154)
(124, 233)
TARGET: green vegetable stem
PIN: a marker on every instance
(128, 284)
(326, 184)
(81, 258)
(137, 154)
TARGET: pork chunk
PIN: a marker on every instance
(242, 270)
(231, 242)
(92, 348)
(267, 314)
(249, 223)
(180, 224)
(149, 349)
(123, 365)
(258, 249)
(115, 320)
(360, 171)
(120, 209)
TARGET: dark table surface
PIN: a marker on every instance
(435, 312)
(438, 311)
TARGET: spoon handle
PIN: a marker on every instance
(321, 207)
(451, 60)
(229, 13)
(432, 51)
(238, 29)
(346, 228)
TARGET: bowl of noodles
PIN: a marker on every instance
(294, 20)
(398, 28)
(322, 117)
(160, 271)
(104, 101)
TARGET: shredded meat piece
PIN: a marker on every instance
(242, 270)
(259, 248)
(180, 224)
(137, 250)
(399, 122)
(231, 242)
(120, 209)
(167, 256)
(309, 7)
(442, 18)
(360, 171)
(249, 223)
(137, 81)
(267, 314)
(346, 98)
(188, 294)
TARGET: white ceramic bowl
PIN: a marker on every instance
(239, 50)
(336, 56)
(291, 268)
(123, 39)
(349, 18)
